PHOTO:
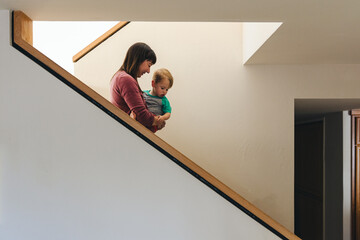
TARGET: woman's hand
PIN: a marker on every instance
(133, 115)
(159, 122)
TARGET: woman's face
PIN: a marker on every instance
(144, 68)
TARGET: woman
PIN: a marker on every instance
(125, 91)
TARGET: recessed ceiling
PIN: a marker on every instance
(306, 109)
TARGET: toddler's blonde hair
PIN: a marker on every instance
(161, 74)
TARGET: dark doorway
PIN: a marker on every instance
(309, 175)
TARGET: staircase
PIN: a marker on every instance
(69, 171)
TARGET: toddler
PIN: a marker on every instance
(155, 98)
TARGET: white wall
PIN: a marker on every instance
(235, 121)
(69, 171)
(60, 41)
(255, 34)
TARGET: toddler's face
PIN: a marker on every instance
(161, 88)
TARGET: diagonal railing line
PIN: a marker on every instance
(21, 40)
(99, 40)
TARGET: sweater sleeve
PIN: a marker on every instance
(131, 94)
(166, 108)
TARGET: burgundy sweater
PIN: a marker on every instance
(125, 93)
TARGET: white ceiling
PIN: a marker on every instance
(313, 32)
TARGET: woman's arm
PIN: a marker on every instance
(158, 121)
(131, 94)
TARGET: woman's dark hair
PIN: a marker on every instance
(135, 56)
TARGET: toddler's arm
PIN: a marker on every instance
(166, 116)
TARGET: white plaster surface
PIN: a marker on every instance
(69, 171)
(236, 121)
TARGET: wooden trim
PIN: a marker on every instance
(355, 112)
(23, 28)
(357, 193)
(99, 40)
(357, 122)
(353, 160)
(356, 181)
(355, 176)
(146, 134)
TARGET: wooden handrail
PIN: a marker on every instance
(23, 28)
(21, 21)
(99, 40)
